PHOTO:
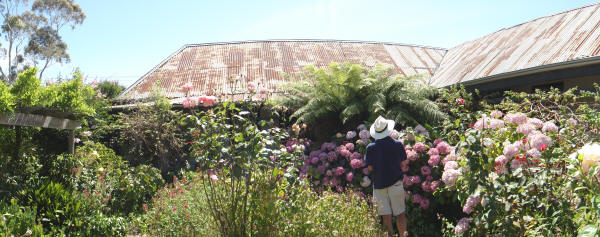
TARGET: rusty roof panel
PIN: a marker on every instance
(566, 36)
(210, 67)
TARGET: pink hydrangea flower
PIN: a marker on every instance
(549, 127)
(535, 153)
(350, 146)
(515, 164)
(425, 170)
(345, 153)
(419, 147)
(416, 198)
(496, 123)
(424, 204)
(501, 160)
(510, 150)
(329, 173)
(350, 135)
(364, 134)
(437, 141)
(537, 139)
(451, 165)
(356, 163)
(426, 186)
(449, 157)
(339, 171)
(356, 155)
(433, 151)
(526, 128)
(496, 114)
(86, 133)
(433, 160)
(443, 148)
(572, 122)
(415, 179)
(462, 226)
(434, 185)
(406, 181)
(366, 171)
(349, 176)
(450, 176)
(515, 118)
(472, 201)
(315, 160)
(535, 122)
(412, 155)
(332, 156)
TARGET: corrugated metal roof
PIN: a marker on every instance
(566, 36)
(209, 67)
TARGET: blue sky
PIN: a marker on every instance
(122, 40)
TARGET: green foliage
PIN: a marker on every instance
(276, 208)
(70, 96)
(135, 187)
(7, 99)
(110, 88)
(18, 221)
(354, 94)
(58, 207)
(111, 185)
(151, 135)
(26, 89)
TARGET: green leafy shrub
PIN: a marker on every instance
(135, 187)
(151, 135)
(110, 89)
(111, 185)
(26, 89)
(276, 208)
(18, 221)
(58, 207)
(7, 99)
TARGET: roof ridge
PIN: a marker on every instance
(311, 40)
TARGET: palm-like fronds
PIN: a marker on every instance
(352, 93)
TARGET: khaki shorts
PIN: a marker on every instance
(390, 200)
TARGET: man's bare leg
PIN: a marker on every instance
(387, 223)
(401, 224)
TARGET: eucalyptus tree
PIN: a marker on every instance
(31, 33)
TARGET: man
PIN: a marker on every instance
(384, 158)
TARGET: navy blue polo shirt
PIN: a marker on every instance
(385, 156)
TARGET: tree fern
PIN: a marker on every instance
(352, 93)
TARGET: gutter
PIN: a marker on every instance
(533, 70)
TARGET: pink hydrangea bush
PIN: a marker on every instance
(512, 164)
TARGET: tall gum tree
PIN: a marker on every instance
(31, 33)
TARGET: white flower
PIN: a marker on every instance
(488, 142)
(589, 155)
(365, 182)
(28, 233)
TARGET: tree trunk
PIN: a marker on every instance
(44, 68)
(18, 141)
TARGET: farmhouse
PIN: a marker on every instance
(560, 50)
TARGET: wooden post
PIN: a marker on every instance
(71, 147)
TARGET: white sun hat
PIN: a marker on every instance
(381, 128)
